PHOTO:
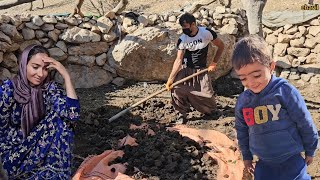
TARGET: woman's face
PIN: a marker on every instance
(36, 69)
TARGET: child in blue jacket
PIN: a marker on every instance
(272, 119)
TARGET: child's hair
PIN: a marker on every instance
(186, 18)
(251, 49)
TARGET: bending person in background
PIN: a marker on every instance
(192, 53)
(36, 118)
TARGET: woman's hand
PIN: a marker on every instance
(58, 66)
(71, 93)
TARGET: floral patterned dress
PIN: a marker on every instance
(46, 152)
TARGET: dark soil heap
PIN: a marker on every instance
(166, 155)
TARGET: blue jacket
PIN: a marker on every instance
(275, 123)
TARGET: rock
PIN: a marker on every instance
(283, 62)
(110, 15)
(280, 49)
(49, 19)
(89, 48)
(47, 27)
(4, 46)
(57, 54)
(9, 60)
(71, 21)
(32, 26)
(292, 30)
(36, 20)
(297, 42)
(1, 57)
(28, 34)
(54, 35)
(101, 60)
(298, 52)
(315, 79)
(220, 9)
(111, 36)
(62, 45)
(78, 35)
(11, 31)
(314, 30)
(4, 19)
(229, 29)
(118, 81)
(271, 39)
(285, 74)
(284, 38)
(144, 21)
(104, 24)
(306, 77)
(82, 60)
(310, 43)
(86, 25)
(40, 34)
(61, 26)
(87, 77)
(148, 54)
(151, 50)
(224, 65)
(5, 38)
(4, 73)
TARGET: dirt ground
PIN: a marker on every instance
(186, 160)
(94, 134)
(167, 155)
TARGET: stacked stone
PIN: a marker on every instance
(82, 44)
(79, 43)
(296, 48)
(221, 19)
(85, 45)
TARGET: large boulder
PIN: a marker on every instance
(224, 64)
(148, 54)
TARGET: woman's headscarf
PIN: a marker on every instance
(33, 109)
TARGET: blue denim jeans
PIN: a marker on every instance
(294, 168)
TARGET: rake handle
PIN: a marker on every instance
(154, 94)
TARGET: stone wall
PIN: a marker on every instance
(87, 46)
(296, 48)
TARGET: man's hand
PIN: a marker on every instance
(308, 160)
(212, 67)
(169, 84)
(248, 166)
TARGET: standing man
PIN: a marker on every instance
(192, 53)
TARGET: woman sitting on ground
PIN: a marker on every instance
(36, 115)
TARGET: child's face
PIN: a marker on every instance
(255, 76)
